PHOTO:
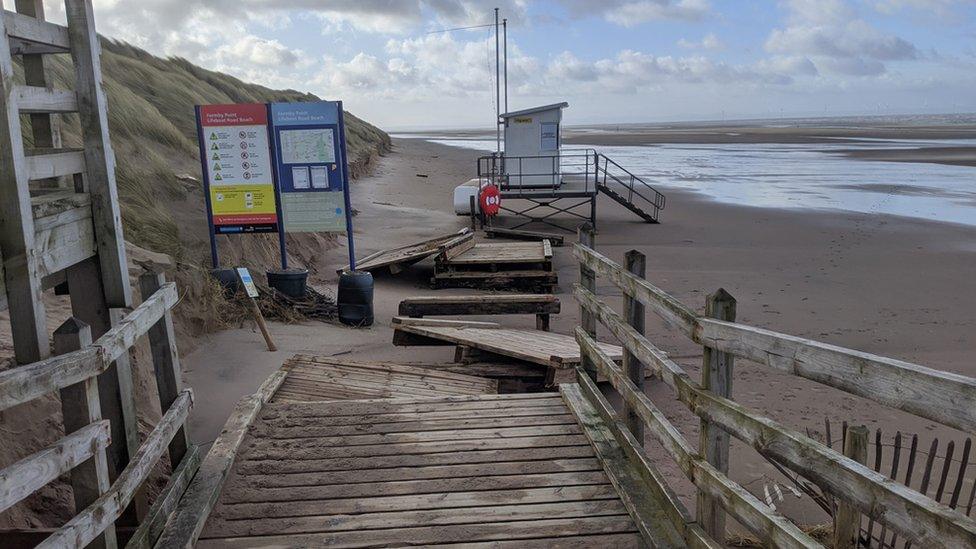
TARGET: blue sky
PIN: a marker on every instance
(615, 61)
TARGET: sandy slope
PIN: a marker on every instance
(888, 285)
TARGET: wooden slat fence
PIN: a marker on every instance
(943, 470)
(947, 398)
(82, 452)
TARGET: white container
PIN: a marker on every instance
(462, 197)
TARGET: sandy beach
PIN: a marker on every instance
(888, 285)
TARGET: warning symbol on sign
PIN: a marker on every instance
(216, 167)
(214, 147)
(213, 136)
(218, 178)
(216, 156)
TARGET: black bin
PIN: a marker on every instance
(291, 282)
(355, 298)
(228, 280)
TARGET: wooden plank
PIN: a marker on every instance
(185, 525)
(283, 446)
(166, 360)
(413, 480)
(543, 276)
(599, 489)
(148, 532)
(634, 315)
(99, 158)
(30, 30)
(404, 255)
(47, 207)
(30, 474)
(535, 346)
(25, 383)
(409, 405)
(382, 421)
(905, 510)
(518, 234)
(909, 387)
(280, 432)
(415, 461)
(654, 480)
(85, 526)
(117, 341)
(847, 519)
(494, 304)
(52, 163)
(310, 364)
(80, 407)
(43, 100)
(130, 415)
(64, 245)
(464, 533)
(428, 447)
(650, 517)
(21, 269)
(587, 279)
(405, 321)
(753, 514)
(500, 253)
(455, 247)
(411, 518)
(714, 442)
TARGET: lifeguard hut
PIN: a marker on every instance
(532, 141)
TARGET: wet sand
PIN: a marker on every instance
(894, 286)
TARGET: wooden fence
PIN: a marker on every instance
(947, 398)
(74, 373)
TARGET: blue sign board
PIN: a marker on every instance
(309, 161)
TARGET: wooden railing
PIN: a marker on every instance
(82, 452)
(947, 398)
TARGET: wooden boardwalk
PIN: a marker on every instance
(511, 469)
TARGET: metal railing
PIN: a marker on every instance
(570, 170)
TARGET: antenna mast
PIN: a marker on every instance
(498, 95)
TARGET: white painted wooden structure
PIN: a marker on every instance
(532, 139)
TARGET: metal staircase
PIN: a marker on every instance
(628, 190)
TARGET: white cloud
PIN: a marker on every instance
(708, 42)
(829, 33)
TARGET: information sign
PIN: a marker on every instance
(309, 148)
(238, 180)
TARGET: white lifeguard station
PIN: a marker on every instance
(532, 141)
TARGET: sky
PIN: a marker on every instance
(614, 61)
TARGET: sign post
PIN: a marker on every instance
(235, 158)
(311, 167)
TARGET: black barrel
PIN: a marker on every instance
(355, 298)
(291, 282)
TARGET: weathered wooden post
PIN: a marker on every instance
(588, 282)
(847, 519)
(636, 264)
(80, 407)
(166, 363)
(714, 442)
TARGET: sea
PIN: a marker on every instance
(802, 176)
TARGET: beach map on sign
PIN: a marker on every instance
(314, 146)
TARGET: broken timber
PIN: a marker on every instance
(397, 259)
(534, 346)
(541, 305)
(497, 265)
(520, 234)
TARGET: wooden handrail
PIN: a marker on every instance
(36, 470)
(86, 526)
(746, 508)
(903, 509)
(25, 383)
(940, 396)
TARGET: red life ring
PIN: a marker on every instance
(490, 200)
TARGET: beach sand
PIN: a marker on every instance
(893, 286)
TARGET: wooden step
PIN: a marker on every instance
(31, 36)
(35, 99)
(49, 163)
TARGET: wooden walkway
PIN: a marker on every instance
(515, 470)
(316, 378)
(534, 346)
